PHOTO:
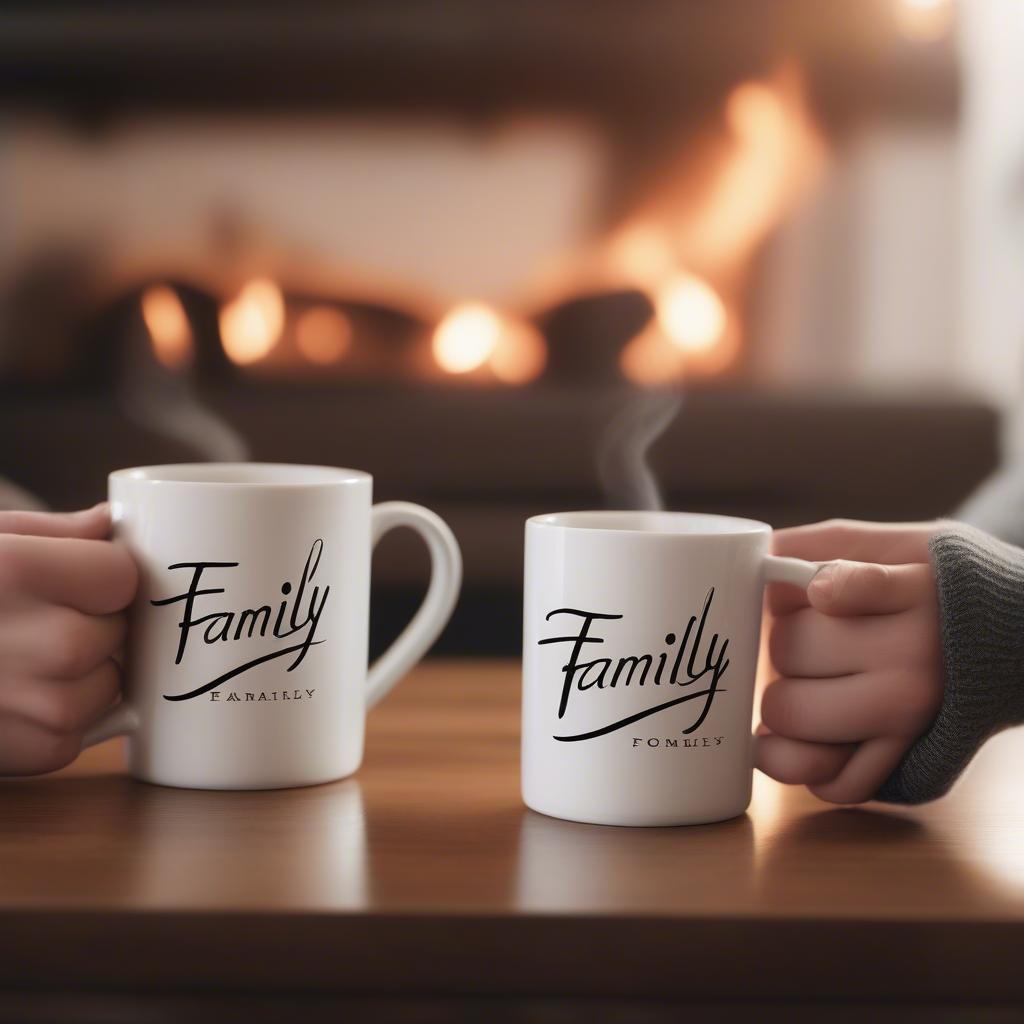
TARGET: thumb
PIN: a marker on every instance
(866, 588)
(88, 524)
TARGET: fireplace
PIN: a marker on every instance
(451, 246)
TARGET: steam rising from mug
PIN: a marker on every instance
(166, 402)
(626, 475)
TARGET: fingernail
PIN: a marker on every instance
(821, 585)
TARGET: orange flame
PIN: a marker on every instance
(652, 358)
(251, 324)
(323, 334)
(520, 355)
(168, 326)
(924, 21)
(776, 149)
(690, 313)
(649, 360)
(473, 335)
(772, 152)
(466, 337)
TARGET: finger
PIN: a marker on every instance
(29, 749)
(864, 773)
(848, 709)
(796, 762)
(63, 707)
(87, 524)
(96, 577)
(809, 643)
(52, 642)
(890, 543)
(869, 588)
(785, 598)
(884, 543)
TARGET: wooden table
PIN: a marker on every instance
(424, 886)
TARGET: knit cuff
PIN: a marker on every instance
(980, 583)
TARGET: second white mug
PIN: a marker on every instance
(640, 642)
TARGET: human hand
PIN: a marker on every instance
(62, 587)
(857, 656)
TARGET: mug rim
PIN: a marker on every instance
(247, 475)
(650, 523)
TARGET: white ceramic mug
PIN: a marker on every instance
(640, 642)
(247, 658)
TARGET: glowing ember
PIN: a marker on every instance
(168, 326)
(251, 324)
(323, 334)
(466, 338)
(924, 20)
(643, 254)
(690, 313)
(520, 355)
(756, 111)
(651, 360)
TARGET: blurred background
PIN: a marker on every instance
(489, 251)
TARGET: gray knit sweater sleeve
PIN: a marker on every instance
(980, 584)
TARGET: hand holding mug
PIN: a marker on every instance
(63, 588)
(857, 656)
(245, 663)
(247, 654)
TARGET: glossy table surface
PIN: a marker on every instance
(425, 873)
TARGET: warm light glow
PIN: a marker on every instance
(924, 20)
(466, 338)
(708, 210)
(323, 334)
(251, 324)
(651, 360)
(776, 153)
(643, 254)
(755, 111)
(690, 313)
(168, 326)
(520, 354)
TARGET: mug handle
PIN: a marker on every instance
(120, 720)
(434, 612)
(775, 569)
(412, 642)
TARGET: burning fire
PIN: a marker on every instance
(251, 324)
(771, 153)
(472, 335)
(924, 20)
(520, 355)
(651, 360)
(775, 152)
(690, 313)
(688, 247)
(168, 326)
(466, 338)
(323, 334)
(648, 361)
